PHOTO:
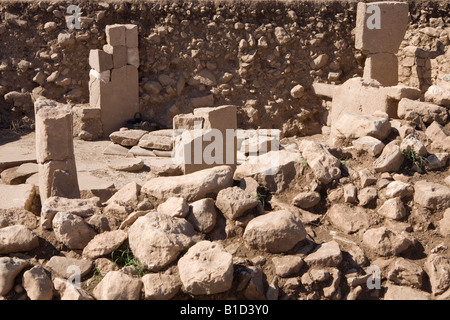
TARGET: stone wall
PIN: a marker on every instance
(194, 54)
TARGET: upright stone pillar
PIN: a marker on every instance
(114, 78)
(54, 150)
(380, 28)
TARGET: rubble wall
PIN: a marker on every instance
(247, 53)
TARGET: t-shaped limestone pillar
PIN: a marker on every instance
(380, 28)
(114, 79)
(54, 150)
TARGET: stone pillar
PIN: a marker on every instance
(114, 78)
(380, 28)
(206, 138)
(54, 150)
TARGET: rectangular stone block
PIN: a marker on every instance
(100, 60)
(54, 136)
(187, 122)
(118, 99)
(132, 35)
(133, 56)
(119, 55)
(116, 35)
(222, 117)
(381, 26)
(58, 178)
(17, 196)
(382, 67)
(324, 89)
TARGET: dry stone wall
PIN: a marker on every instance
(260, 56)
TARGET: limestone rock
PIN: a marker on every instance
(17, 196)
(287, 266)
(393, 209)
(386, 242)
(157, 239)
(306, 200)
(444, 224)
(276, 232)
(431, 195)
(127, 138)
(65, 266)
(104, 243)
(325, 166)
(69, 291)
(395, 292)
(72, 230)
(412, 143)
(328, 254)
(390, 159)
(348, 219)
(192, 187)
(9, 269)
(206, 269)
(406, 272)
(412, 110)
(37, 284)
(174, 206)
(159, 286)
(354, 126)
(371, 145)
(126, 164)
(118, 285)
(202, 215)
(438, 269)
(17, 238)
(18, 175)
(234, 202)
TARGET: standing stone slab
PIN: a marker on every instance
(382, 67)
(393, 23)
(54, 150)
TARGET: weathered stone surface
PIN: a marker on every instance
(432, 195)
(127, 138)
(437, 161)
(93, 186)
(17, 196)
(160, 140)
(9, 269)
(389, 35)
(382, 67)
(104, 243)
(80, 207)
(72, 231)
(255, 287)
(157, 239)
(406, 272)
(58, 178)
(127, 195)
(325, 166)
(10, 217)
(367, 195)
(327, 254)
(174, 206)
(192, 187)
(159, 286)
(390, 159)
(118, 285)
(393, 209)
(439, 136)
(412, 110)
(444, 224)
(438, 95)
(395, 292)
(234, 202)
(17, 238)
(277, 231)
(69, 291)
(438, 269)
(64, 266)
(385, 242)
(348, 219)
(18, 175)
(37, 284)
(354, 126)
(367, 177)
(287, 266)
(114, 149)
(202, 215)
(306, 200)
(206, 269)
(399, 189)
(274, 170)
(371, 145)
(126, 164)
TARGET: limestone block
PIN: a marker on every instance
(100, 60)
(119, 55)
(187, 122)
(58, 178)
(53, 130)
(382, 67)
(116, 35)
(131, 35)
(384, 34)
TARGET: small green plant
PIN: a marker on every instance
(417, 161)
(343, 162)
(125, 258)
(94, 281)
(262, 198)
(304, 164)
